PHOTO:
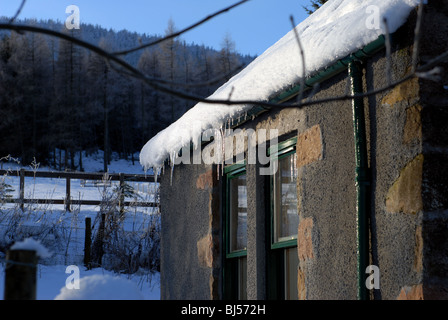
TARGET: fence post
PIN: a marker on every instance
(67, 194)
(20, 275)
(22, 188)
(98, 243)
(121, 202)
(88, 243)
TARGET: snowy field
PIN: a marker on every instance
(97, 283)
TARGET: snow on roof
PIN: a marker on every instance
(337, 29)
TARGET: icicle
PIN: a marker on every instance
(217, 149)
(172, 159)
(155, 172)
(291, 167)
(223, 150)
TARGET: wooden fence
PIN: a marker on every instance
(68, 176)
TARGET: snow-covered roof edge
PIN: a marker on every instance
(334, 31)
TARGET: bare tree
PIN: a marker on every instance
(227, 56)
(169, 62)
(100, 76)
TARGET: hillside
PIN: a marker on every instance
(57, 99)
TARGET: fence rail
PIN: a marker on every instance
(68, 176)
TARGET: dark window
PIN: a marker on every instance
(235, 235)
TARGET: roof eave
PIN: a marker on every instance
(318, 77)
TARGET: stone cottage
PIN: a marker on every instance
(333, 199)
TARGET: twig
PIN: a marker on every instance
(302, 55)
(356, 96)
(388, 52)
(316, 87)
(434, 74)
(417, 34)
(176, 34)
(180, 94)
(210, 82)
(19, 10)
(213, 81)
(433, 62)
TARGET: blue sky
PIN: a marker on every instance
(254, 26)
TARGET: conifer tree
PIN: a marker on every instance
(227, 58)
(169, 65)
(315, 4)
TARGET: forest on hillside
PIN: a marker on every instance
(58, 99)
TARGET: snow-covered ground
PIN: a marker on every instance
(45, 188)
(96, 283)
(91, 162)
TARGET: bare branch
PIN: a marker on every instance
(19, 10)
(422, 71)
(302, 55)
(63, 36)
(176, 34)
(316, 87)
(213, 81)
(388, 52)
(417, 35)
(356, 96)
(434, 74)
(434, 62)
(110, 58)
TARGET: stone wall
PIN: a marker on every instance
(191, 224)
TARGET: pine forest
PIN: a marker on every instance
(58, 100)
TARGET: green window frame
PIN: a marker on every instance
(235, 233)
(283, 151)
(282, 255)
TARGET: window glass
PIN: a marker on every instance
(286, 218)
(235, 263)
(283, 263)
(238, 213)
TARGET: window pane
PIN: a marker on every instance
(291, 264)
(238, 213)
(286, 219)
